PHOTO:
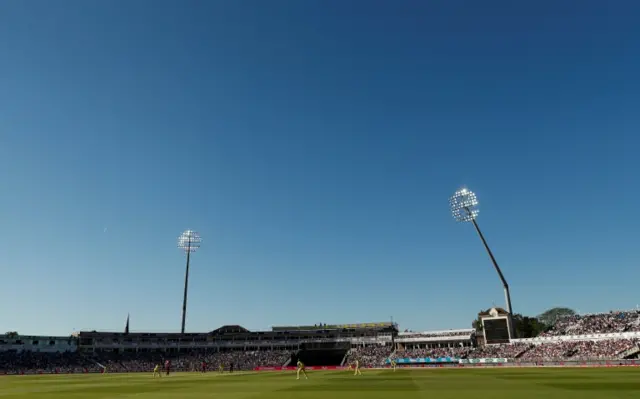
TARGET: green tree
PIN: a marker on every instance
(551, 316)
(527, 327)
(477, 323)
(11, 334)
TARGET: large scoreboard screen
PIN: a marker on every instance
(496, 331)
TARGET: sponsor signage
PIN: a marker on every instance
(407, 360)
(487, 360)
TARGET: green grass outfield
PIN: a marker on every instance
(549, 383)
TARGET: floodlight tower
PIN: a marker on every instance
(189, 241)
(464, 207)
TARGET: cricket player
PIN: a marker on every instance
(393, 364)
(156, 371)
(357, 370)
(301, 369)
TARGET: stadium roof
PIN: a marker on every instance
(439, 332)
(334, 326)
(231, 329)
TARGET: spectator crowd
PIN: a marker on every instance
(612, 322)
(458, 352)
(579, 350)
(506, 351)
(369, 356)
(12, 362)
(239, 360)
(27, 362)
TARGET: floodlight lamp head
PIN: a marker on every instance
(189, 241)
(464, 205)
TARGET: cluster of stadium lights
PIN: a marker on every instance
(189, 241)
(464, 205)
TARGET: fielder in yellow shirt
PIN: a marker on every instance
(301, 370)
(357, 371)
(156, 371)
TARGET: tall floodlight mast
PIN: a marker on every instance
(189, 241)
(464, 207)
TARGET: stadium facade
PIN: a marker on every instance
(237, 338)
(33, 343)
(604, 338)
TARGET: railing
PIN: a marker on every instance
(344, 359)
(455, 338)
(631, 351)
(446, 333)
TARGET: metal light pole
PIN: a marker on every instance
(464, 207)
(189, 241)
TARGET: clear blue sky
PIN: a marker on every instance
(314, 144)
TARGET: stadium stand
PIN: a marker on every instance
(508, 351)
(241, 360)
(231, 346)
(581, 350)
(369, 356)
(611, 322)
(608, 336)
(29, 362)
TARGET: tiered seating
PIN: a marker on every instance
(434, 353)
(596, 336)
(370, 356)
(508, 351)
(612, 322)
(35, 362)
(44, 362)
(576, 350)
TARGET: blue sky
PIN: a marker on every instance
(314, 145)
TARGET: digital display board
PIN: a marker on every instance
(496, 331)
